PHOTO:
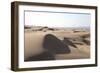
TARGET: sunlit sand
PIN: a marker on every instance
(34, 37)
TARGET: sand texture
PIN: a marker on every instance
(34, 37)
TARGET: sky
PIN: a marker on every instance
(57, 19)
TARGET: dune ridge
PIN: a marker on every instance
(34, 37)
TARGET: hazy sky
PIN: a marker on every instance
(57, 19)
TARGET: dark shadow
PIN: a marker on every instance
(54, 45)
(43, 56)
(68, 42)
(86, 41)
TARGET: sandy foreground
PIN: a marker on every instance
(34, 41)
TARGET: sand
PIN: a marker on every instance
(34, 40)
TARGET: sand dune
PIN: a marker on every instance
(34, 41)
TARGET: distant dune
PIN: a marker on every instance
(34, 37)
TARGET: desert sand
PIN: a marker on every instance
(34, 37)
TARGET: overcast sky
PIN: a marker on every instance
(57, 19)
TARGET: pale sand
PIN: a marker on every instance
(34, 40)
